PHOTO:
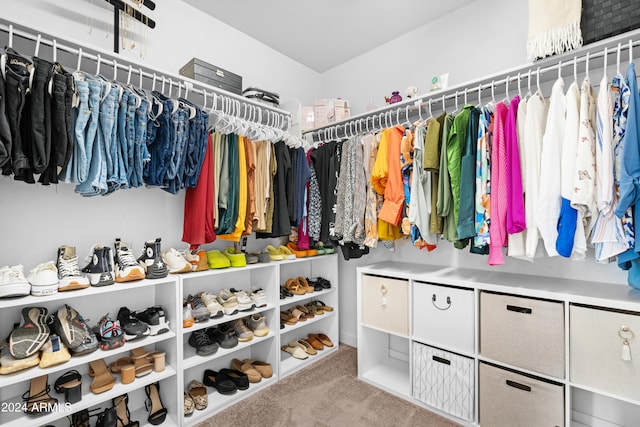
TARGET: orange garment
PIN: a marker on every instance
(242, 194)
(394, 191)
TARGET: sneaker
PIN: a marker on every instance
(69, 276)
(197, 259)
(224, 335)
(126, 266)
(13, 283)
(74, 331)
(258, 324)
(259, 298)
(44, 279)
(242, 332)
(155, 318)
(175, 261)
(199, 311)
(110, 332)
(100, 267)
(203, 344)
(212, 304)
(9, 364)
(244, 301)
(151, 260)
(27, 339)
(133, 327)
(229, 301)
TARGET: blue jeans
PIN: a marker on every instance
(159, 142)
(175, 166)
(198, 140)
(85, 129)
(121, 145)
(130, 133)
(140, 152)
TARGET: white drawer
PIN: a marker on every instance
(443, 380)
(596, 348)
(523, 332)
(509, 399)
(385, 304)
(444, 316)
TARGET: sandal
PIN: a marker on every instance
(153, 404)
(126, 368)
(158, 360)
(295, 351)
(141, 362)
(102, 378)
(305, 285)
(324, 339)
(198, 392)
(294, 287)
(315, 342)
(37, 399)
(121, 405)
(303, 344)
(321, 305)
(297, 314)
(308, 314)
(189, 405)
(80, 419)
(70, 383)
(314, 309)
(287, 318)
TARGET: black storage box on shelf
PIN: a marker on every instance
(210, 74)
(607, 18)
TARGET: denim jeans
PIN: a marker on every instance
(120, 144)
(141, 154)
(160, 148)
(130, 133)
(196, 147)
(41, 115)
(175, 164)
(16, 86)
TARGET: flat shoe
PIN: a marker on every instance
(315, 342)
(264, 368)
(287, 318)
(243, 366)
(296, 352)
(308, 314)
(303, 344)
(324, 339)
(239, 378)
(198, 392)
(219, 381)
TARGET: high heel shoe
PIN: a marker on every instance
(70, 383)
(37, 399)
(121, 403)
(153, 404)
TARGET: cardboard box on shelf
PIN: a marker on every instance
(330, 110)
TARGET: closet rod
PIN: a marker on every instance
(133, 66)
(555, 64)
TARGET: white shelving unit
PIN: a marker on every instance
(182, 362)
(385, 356)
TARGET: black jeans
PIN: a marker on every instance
(60, 128)
(5, 132)
(40, 115)
(16, 87)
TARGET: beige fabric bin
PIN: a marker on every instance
(444, 316)
(509, 399)
(596, 346)
(385, 304)
(444, 380)
(523, 332)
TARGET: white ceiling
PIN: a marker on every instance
(324, 34)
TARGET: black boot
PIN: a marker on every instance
(151, 260)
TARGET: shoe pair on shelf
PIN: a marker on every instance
(140, 363)
(226, 381)
(305, 347)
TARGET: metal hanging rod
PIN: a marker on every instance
(277, 117)
(391, 114)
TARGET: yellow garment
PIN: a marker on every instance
(380, 172)
(243, 194)
(388, 231)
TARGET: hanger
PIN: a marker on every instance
(141, 75)
(506, 90)
(132, 89)
(480, 95)
(519, 89)
(35, 53)
(493, 94)
(98, 65)
(604, 67)
(10, 36)
(456, 100)
(538, 81)
(618, 58)
(586, 66)
(528, 84)
(443, 104)
(575, 69)
(630, 51)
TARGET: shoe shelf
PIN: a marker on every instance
(296, 299)
(228, 270)
(91, 291)
(305, 323)
(218, 402)
(227, 318)
(191, 359)
(89, 399)
(330, 257)
(77, 361)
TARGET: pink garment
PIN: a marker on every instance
(303, 230)
(498, 225)
(516, 221)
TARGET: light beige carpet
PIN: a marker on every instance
(326, 393)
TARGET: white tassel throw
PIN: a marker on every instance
(554, 27)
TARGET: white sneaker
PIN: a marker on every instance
(244, 300)
(259, 298)
(69, 275)
(197, 259)
(211, 301)
(13, 283)
(44, 279)
(175, 261)
(127, 268)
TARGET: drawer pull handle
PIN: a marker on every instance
(627, 335)
(518, 386)
(433, 301)
(441, 360)
(383, 295)
(523, 310)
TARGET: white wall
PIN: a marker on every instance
(468, 44)
(35, 220)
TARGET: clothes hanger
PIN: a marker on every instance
(456, 101)
(519, 89)
(528, 95)
(443, 103)
(538, 82)
(630, 52)
(604, 67)
(506, 91)
(586, 66)
(575, 69)
(132, 91)
(480, 95)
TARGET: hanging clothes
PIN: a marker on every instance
(393, 193)
(238, 193)
(431, 161)
(483, 180)
(315, 203)
(373, 199)
(516, 240)
(281, 226)
(550, 198)
(250, 156)
(498, 224)
(444, 203)
(466, 216)
(420, 201)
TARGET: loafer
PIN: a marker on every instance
(219, 381)
(253, 375)
(239, 378)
